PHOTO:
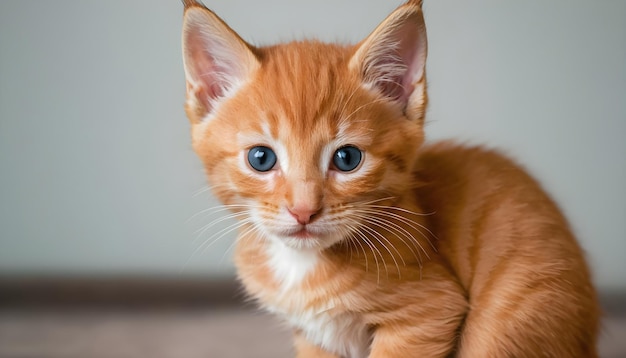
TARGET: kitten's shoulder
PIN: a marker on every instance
(451, 163)
(449, 153)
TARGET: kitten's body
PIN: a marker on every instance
(417, 251)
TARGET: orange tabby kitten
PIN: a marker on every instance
(367, 242)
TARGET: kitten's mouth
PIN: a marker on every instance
(305, 237)
(303, 234)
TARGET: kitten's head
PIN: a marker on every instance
(306, 139)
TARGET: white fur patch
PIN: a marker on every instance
(290, 265)
(342, 333)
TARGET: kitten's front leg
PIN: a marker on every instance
(428, 326)
(406, 341)
(304, 349)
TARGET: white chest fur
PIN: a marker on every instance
(340, 332)
(343, 334)
(290, 266)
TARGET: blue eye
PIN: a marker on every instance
(347, 158)
(262, 158)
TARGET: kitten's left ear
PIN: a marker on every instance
(392, 59)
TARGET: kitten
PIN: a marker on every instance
(366, 241)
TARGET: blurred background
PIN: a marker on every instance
(102, 198)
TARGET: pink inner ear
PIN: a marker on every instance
(396, 60)
(203, 69)
(413, 54)
(216, 58)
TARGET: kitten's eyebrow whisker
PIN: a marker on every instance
(363, 106)
(345, 103)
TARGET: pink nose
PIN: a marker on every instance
(303, 215)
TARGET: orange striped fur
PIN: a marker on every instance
(430, 250)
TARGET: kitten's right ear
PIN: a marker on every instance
(217, 61)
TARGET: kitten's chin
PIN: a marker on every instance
(310, 243)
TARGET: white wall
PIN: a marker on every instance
(97, 175)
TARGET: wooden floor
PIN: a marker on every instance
(176, 333)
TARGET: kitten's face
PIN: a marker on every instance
(301, 145)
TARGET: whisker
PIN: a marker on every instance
(402, 209)
(378, 236)
(344, 233)
(395, 229)
(201, 249)
(353, 238)
(345, 103)
(213, 223)
(350, 234)
(374, 250)
(365, 105)
(253, 227)
(204, 189)
(370, 202)
(219, 208)
(413, 224)
(385, 208)
(209, 188)
(223, 233)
